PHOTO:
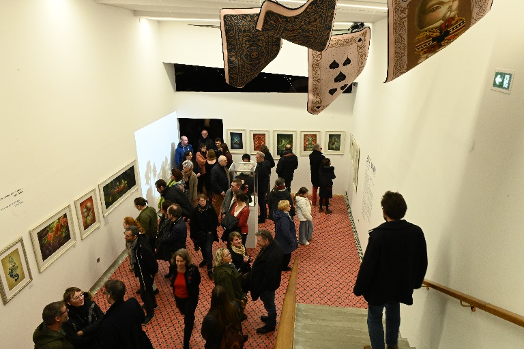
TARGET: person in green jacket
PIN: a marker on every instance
(49, 334)
(226, 275)
(147, 219)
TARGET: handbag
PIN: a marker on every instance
(229, 221)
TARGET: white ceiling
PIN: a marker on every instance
(207, 11)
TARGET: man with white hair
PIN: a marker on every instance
(220, 182)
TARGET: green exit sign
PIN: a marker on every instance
(502, 80)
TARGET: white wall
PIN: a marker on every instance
(454, 148)
(78, 79)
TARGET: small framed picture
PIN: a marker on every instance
(118, 187)
(88, 208)
(308, 140)
(354, 155)
(53, 237)
(281, 139)
(334, 142)
(236, 140)
(257, 139)
(16, 273)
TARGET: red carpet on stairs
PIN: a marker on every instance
(326, 276)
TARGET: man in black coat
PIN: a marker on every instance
(204, 139)
(174, 195)
(220, 183)
(394, 264)
(287, 165)
(316, 157)
(266, 277)
(145, 267)
(277, 194)
(262, 172)
(174, 236)
(121, 325)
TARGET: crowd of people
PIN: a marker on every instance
(200, 197)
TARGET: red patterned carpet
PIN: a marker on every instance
(326, 276)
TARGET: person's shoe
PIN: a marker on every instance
(197, 248)
(203, 263)
(261, 221)
(147, 319)
(168, 275)
(320, 209)
(245, 338)
(307, 243)
(265, 329)
(264, 318)
(243, 317)
(154, 306)
(156, 291)
(287, 268)
(138, 291)
(210, 275)
(328, 211)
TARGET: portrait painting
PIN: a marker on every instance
(258, 138)
(308, 140)
(334, 142)
(53, 237)
(88, 209)
(118, 187)
(419, 29)
(236, 140)
(15, 270)
(281, 139)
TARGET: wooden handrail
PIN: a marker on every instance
(476, 303)
(286, 331)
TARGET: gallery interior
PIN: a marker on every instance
(87, 88)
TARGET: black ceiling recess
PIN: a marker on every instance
(211, 79)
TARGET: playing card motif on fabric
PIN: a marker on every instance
(309, 25)
(418, 29)
(334, 69)
(246, 50)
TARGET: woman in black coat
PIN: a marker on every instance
(84, 318)
(185, 282)
(326, 175)
(203, 230)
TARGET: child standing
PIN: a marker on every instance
(304, 208)
(326, 175)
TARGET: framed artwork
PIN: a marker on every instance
(281, 139)
(118, 187)
(236, 140)
(334, 142)
(355, 152)
(308, 140)
(16, 273)
(88, 209)
(53, 237)
(259, 138)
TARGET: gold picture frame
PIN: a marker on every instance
(16, 274)
(53, 237)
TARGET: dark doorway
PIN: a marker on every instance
(192, 129)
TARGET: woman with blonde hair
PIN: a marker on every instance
(185, 282)
(285, 231)
(226, 275)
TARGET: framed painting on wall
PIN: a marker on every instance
(118, 187)
(334, 142)
(259, 138)
(281, 139)
(308, 140)
(236, 140)
(53, 237)
(16, 273)
(87, 208)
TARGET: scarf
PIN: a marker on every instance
(279, 188)
(240, 251)
(132, 247)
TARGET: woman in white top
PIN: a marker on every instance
(304, 214)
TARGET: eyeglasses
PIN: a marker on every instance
(67, 310)
(79, 297)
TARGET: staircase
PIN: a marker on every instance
(329, 327)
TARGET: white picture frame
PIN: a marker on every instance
(16, 273)
(334, 142)
(53, 237)
(236, 140)
(119, 186)
(281, 138)
(307, 140)
(87, 208)
(257, 138)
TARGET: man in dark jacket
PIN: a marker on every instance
(205, 139)
(262, 172)
(266, 277)
(145, 266)
(121, 326)
(174, 236)
(286, 166)
(316, 157)
(49, 334)
(394, 264)
(220, 183)
(278, 193)
(174, 195)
